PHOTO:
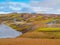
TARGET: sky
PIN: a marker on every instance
(30, 6)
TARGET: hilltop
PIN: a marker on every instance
(34, 25)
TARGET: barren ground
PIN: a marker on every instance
(27, 41)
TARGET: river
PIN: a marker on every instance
(8, 32)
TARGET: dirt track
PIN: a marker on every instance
(25, 41)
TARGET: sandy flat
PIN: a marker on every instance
(27, 41)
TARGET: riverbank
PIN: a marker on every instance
(29, 41)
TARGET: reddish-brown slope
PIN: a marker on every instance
(25, 41)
